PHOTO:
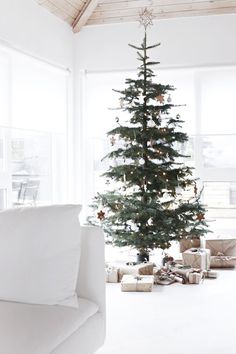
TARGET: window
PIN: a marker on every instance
(33, 131)
(208, 109)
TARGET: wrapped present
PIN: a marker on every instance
(221, 261)
(197, 258)
(137, 269)
(195, 277)
(187, 243)
(137, 283)
(210, 274)
(226, 246)
(111, 274)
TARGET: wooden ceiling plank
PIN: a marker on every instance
(157, 2)
(152, 3)
(50, 6)
(76, 3)
(84, 14)
(65, 7)
(163, 16)
(198, 6)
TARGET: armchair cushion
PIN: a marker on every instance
(40, 254)
(37, 329)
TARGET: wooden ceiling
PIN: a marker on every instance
(94, 12)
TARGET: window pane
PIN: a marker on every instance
(39, 96)
(218, 109)
(4, 89)
(219, 151)
(31, 167)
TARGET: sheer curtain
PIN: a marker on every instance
(33, 127)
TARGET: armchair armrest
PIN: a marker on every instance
(91, 279)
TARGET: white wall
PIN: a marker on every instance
(31, 28)
(186, 42)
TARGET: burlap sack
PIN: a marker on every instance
(225, 246)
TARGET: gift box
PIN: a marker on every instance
(222, 261)
(210, 274)
(138, 269)
(187, 243)
(226, 247)
(194, 277)
(197, 258)
(111, 274)
(137, 283)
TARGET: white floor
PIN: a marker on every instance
(174, 319)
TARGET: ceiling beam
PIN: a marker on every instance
(84, 14)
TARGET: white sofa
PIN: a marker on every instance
(44, 329)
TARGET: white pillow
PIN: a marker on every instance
(39, 254)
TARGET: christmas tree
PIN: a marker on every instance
(148, 207)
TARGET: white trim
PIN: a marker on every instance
(5, 45)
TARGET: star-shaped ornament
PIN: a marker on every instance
(145, 18)
(101, 215)
(160, 98)
(200, 216)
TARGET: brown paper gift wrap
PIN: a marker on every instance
(137, 283)
(138, 269)
(194, 278)
(225, 246)
(111, 274)
(223, 262)
(187, 243)
(199, 259)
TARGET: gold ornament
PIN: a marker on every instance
(101, 215)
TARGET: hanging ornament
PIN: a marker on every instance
(160, 98)
(166, 195)
(152, 142)
(195, 189)
(122, 101)
(200, 216)
(151, 123)
(117, 119)
(112, 140)
(124, 178)
(141, 97)
(169, 99)
(107, 182)
(101, 215)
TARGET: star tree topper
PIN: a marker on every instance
(145, 18)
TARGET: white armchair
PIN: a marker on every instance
(44, 329)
